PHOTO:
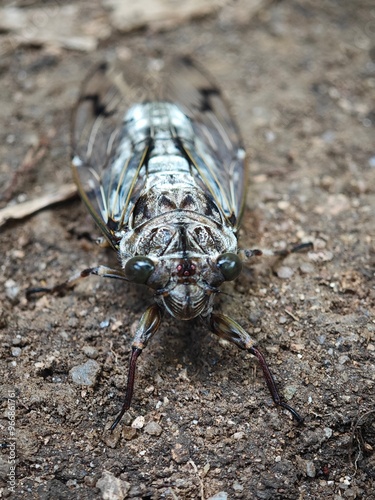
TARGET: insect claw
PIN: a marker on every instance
(272, 387)
(117, 421)
(129, 387)
(58, 289)
(297, 417)
(228, 329)
(247, 253)
(35, 290)
(301, 247)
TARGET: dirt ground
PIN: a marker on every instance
(300, 76)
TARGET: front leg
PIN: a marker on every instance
(228, 329)
(103, 271)
(148, 325)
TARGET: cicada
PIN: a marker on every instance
(160, 165)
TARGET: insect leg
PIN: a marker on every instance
(301, 247)
(246, 254)
(148, 325)
(105, 272)
(228, 329)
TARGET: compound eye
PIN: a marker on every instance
(230, 265)
(139, 269)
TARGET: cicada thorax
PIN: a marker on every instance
(173, 220)
(184, 246)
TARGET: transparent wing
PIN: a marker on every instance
(108, 168)
(218, 155)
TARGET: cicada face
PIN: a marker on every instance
(184, 287)
(179, 286)
(194, 283)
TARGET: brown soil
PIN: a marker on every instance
(301, 79)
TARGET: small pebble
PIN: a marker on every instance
(351, 493)
(237, 486)
(128, 432)
(139, 422)
(111, 439)
(328, 136)
(328, 432)
(222, 495)
(11, 289)
(89, 481)
(283, 205)
(112, 488)
(86, 373)
(153, 428)
(289, 391)
(90, 351)
(306, 268)
(270, 136)
(285, 272)
(371, 162)
(16, 351)
(295, 347)
(321, 256)
(368, 448)
(310, 469)
(343, 359)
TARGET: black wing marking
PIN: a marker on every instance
(218, 155)
(106, 165)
